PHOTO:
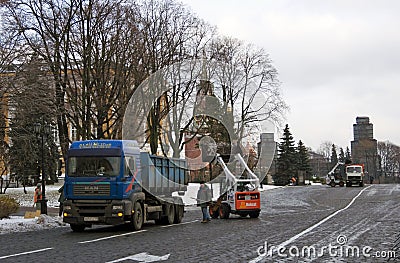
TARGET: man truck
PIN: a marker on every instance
(112, 182)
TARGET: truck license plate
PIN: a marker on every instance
(90, 219)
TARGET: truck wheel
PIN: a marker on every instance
(332, 184)
(77, 228)
(341, 184)
(254, 214)
(137, 217)
(169, 214)
(224, 211)
(179, 210)
(214, 212)
(361, 184)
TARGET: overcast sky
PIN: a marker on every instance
(336, 60)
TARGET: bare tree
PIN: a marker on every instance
(45, 27)
(103, 55)
(325, 149)
(248, 85)
(170, 34)
(389, 156)
(99, 52)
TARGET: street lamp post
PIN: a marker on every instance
(42, 132)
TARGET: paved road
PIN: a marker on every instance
(329, 220)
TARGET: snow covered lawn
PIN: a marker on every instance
(19, 223)
(27, 199)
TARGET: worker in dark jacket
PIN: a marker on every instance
(203, 200)
(61, 199)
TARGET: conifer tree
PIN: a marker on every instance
(31, 103)
(303, 159)
(347, 156)
(286, 161)
(341, 155)
(334, 157)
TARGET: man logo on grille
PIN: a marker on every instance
(91, 189)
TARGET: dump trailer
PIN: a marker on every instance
(112, 182)
(240, 196)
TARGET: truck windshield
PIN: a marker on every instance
(354, 169)
(93, 166)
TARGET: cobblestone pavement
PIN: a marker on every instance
(289, 216)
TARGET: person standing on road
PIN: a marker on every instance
(61, 200)
(203, 200)
(37, 196)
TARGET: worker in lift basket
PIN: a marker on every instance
(203, 200)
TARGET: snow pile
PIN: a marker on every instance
(19, 224)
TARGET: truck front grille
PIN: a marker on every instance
(353, 177)
(91, 189)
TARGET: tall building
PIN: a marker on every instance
(364, 146)
(267, 153)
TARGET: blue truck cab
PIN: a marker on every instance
(112, 182)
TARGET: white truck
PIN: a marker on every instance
(355, 175)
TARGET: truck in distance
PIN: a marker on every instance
(355, 175)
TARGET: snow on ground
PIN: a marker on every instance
(27, 199)
(20, 224)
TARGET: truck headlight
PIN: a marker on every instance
(117, 207)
